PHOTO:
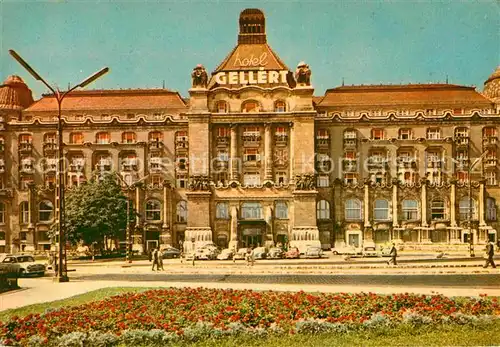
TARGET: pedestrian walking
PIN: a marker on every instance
(393, 254)
(150, 255)
(155, 259)
(160, 261)
(490, 252)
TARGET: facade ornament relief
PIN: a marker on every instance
(199, 77)
(305, 182)
(303, 74)
(199, 182)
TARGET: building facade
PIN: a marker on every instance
(252, 157)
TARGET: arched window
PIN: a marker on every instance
(410, 209)
(323, 209)
(438, 209)
(281, 210)
(153, 210)
(353, 209)
(250, 106)
(279, 106)
(128, 137)
(24, 212)
(45, 211)
(465, 209)
(182, 211)
(76, 138)
(381, 210)
(491, 210)
(251, 210)
(222, 210)
(2, 213)
(221, 107)
(155, 136)
(103, 137)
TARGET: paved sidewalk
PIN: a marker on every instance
(45, 290)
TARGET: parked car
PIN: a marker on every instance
(370, 251)
(226, 254)
(346, 250)
(313, 252)
(27, 264)
(240, 254)
(206, 253)
(170, 252)
(260, 253)
(292, 253)
(275, 253)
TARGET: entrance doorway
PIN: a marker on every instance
(353, 240)
(151, 244)
(251, 236)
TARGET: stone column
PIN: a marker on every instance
(166, 232)
(292, 153)
(482, 222)
(366, 205)
(269, 237)
(425, 233)
(268, 168)
(394, 202)
(453, 198)
(233, 154)
(233, 242)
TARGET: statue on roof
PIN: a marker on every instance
(199, 77)
(303, 74)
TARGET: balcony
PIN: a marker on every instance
(221, 165)
(251, 163)
(322, 142)
(281, 139)
(462, 141)
(490, 141)
(50, 167)
(103, 165)
(251, 140)
(282, 162)
(490, 163)
(155, 164)
(181, 144)
(155, 145)
(350, 143)
(129, 165)
(223, 141)
(49, 147)
(349, 165)
(26, 168)
(25, 147)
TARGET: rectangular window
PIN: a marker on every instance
(128, 137)
(182, 163)
(50, 181)
(181, 136)
(156, 181)
(76, 138)
(433, 134)
(280, 131)
(181, 181)
(405, 134)
(103, 138)
(491, 178)
(75, 179)
(251, 131)
(323, 181)
(322, 134)
(25, 138)
(378, 134)
(251, 179)
(463, 176)
(251, 154)
(222, 155)
(281, 178)
(350, 178)
(223, 132)
(350, 134)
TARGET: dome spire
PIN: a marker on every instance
(252, 27)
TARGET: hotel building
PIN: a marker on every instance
(254, 157)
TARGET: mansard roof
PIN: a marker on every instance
(113, 99)
(407, 94)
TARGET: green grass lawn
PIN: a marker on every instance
(404, 335)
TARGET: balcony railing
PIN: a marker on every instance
(281, 139)
(323, 141)
(181, 144)
(350, 142)
(490, 140)
(222, 140)
(251, 140)
(25, 147)
(155, 145)
(462, 140)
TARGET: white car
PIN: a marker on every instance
(346, 250)
(314, 252)
(26, 263)
(226, 254)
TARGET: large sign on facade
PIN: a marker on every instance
(251, 77)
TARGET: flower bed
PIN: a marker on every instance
(160, 316)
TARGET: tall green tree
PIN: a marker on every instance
(95, 210)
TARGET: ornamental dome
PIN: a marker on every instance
(15, 94)
(492, 85)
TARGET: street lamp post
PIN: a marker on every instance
(62, 275)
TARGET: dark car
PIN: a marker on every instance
(171, 252)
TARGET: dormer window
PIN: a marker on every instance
(250, 106)
(221, 107)
(279, 106)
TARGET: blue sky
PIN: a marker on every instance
(146, 42)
